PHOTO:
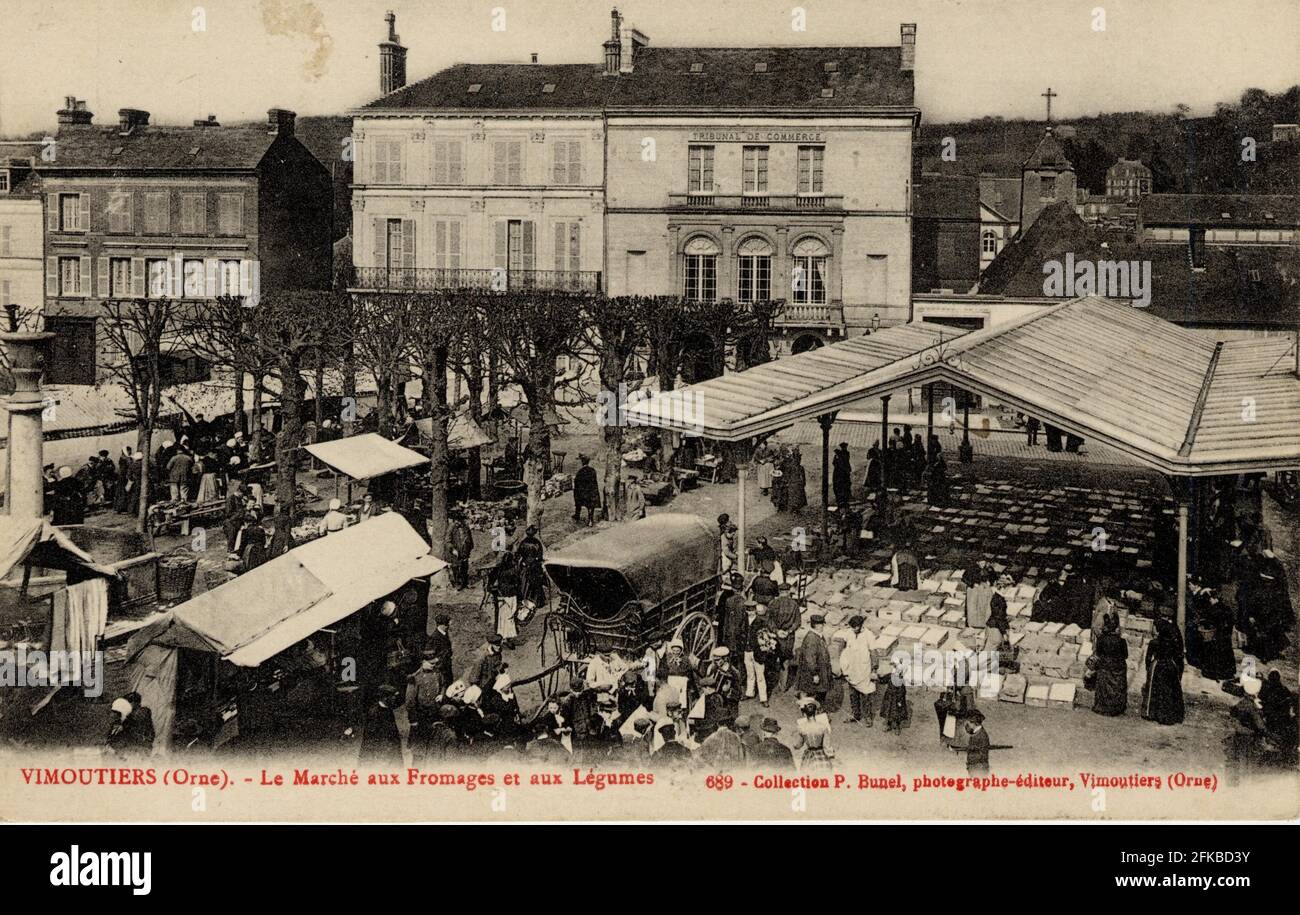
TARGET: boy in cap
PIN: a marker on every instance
(977, 750)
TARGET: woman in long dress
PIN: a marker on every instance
(814, 729)
(1162, 696)
(796, 498)
(1214, 622)
(765, 468)
(1110, 664)
(893, 703)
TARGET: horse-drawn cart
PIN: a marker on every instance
(623, 589)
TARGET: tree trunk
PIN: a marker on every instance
(255, 438)
(241, 418)
(612, 380)
(433, 392)
(539, 445)
(475, 456)
(144, 445)
(667, 382)
(349, 388)
(320, 390)
(286, 443)
(384, 398)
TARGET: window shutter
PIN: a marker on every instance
(502, 248)
(453, 248)
(456, 170)
(83, 287)
(575, 162)
(561, 244)
(439, 244)
(201, 218)
(440, 163)
(529, 260)
(559, 162)
(52, 277)
(408, 244)
(380, 249)
(137, 277)
(52, 212)
(128, 211)
(105, 290)
(397, 156)
(83, 212)
(211, 277)
(500, 164)
(575, 246)
(516, 162)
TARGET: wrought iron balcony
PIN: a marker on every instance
(701, 201)
(497, 279)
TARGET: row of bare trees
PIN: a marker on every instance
(489, 340)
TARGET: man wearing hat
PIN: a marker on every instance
(381, 741)
(814, 660)
(635, 499)
(671, 753)
(733, 619)
(770, 753)
(783, 615)
(424, 690)
(586, 491)
(721, 686)
(858, 662)
(460, 545)
(977, 749)
(486, 664)
(439, 642)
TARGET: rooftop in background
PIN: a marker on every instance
(951, 197)
(1220, 210)
(1001, 195)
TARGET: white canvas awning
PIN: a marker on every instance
(362, 457)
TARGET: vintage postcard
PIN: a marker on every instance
(542, 411)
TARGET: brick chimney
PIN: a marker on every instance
(280, 121)
(613, 46)
(74, 112)
(128, 119)
(630, 40)
(907, 47)
(392, 58)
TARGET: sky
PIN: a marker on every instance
(184, 59)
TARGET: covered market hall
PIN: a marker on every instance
(1171, 399)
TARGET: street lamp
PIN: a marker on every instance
(875, 321)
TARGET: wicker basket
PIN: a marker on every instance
(176, 577)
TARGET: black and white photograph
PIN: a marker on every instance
(503, 411)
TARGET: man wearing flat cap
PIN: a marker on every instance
(721, 686)
(977, 750)
(769, 752)
(814, 660)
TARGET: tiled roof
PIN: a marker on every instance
(664, 77)
(1048, 153)
(1220, 209)
(954, 197)
(149, 147)
(1125, 168)
(1240, 285)
(1002, 195)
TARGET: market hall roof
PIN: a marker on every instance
(673, 78)
(1170, 397)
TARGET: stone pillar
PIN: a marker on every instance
(1182, 564)
(826, 420)
(884, 441)
(726, 265)
(25, 497)
(675, 257)
(836, 291)
(781, 268)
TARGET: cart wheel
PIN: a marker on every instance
(697, 635)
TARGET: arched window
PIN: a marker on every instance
(701, 273)
(989, 242)
(754, 274)
(809, 274)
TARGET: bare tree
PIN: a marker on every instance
(139, 334)
(616, 331)
(383, 344)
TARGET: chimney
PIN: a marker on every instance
(210, 122)
(74, 112)
(129, 119)
(907, 47)
(630, 41)
(613, 47)
(25, 454)
(279, 121)
(392, 58)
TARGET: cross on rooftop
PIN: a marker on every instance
(1049, 95)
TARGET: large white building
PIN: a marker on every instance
(749, 173)
(22, 235)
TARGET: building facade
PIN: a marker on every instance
(745, 173)
(1128, 180)
(22, 235)
(188, 213)
(1047, 177)
(1220, 219)
(999, 215)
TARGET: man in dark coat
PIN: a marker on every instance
(439, 643)
(586, 491)
(784, 617)
(875, 469)
(977, 747)
(381, 742)
(486, 664)
(815, 661)
(770, 753)
(69, 499)
(532, 574)
(842, 475)
(460, 542)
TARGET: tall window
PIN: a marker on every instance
(70, 213)
(156, 215)
(989, 242)
(810, 169)
(701, 270)
(230, 214)
(119, 277)
(120, 204)
(70, 276)
(448, 161)
(755, 164)
(568, 252)
(808, 273)
(1047, 186)
(754, 278)
(699, 176)
(228, 277)
(158, 273)
(387, 161)
(566, 162)
(195, 279)
(508, 162)
(447, 245)
(194, 216)
(516, 251)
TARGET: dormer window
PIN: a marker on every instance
(548, 88)
(697, 68)
(474, 88)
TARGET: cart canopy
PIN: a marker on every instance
(362, 457)
(44, 545)
(264, 611)
(650, 559)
